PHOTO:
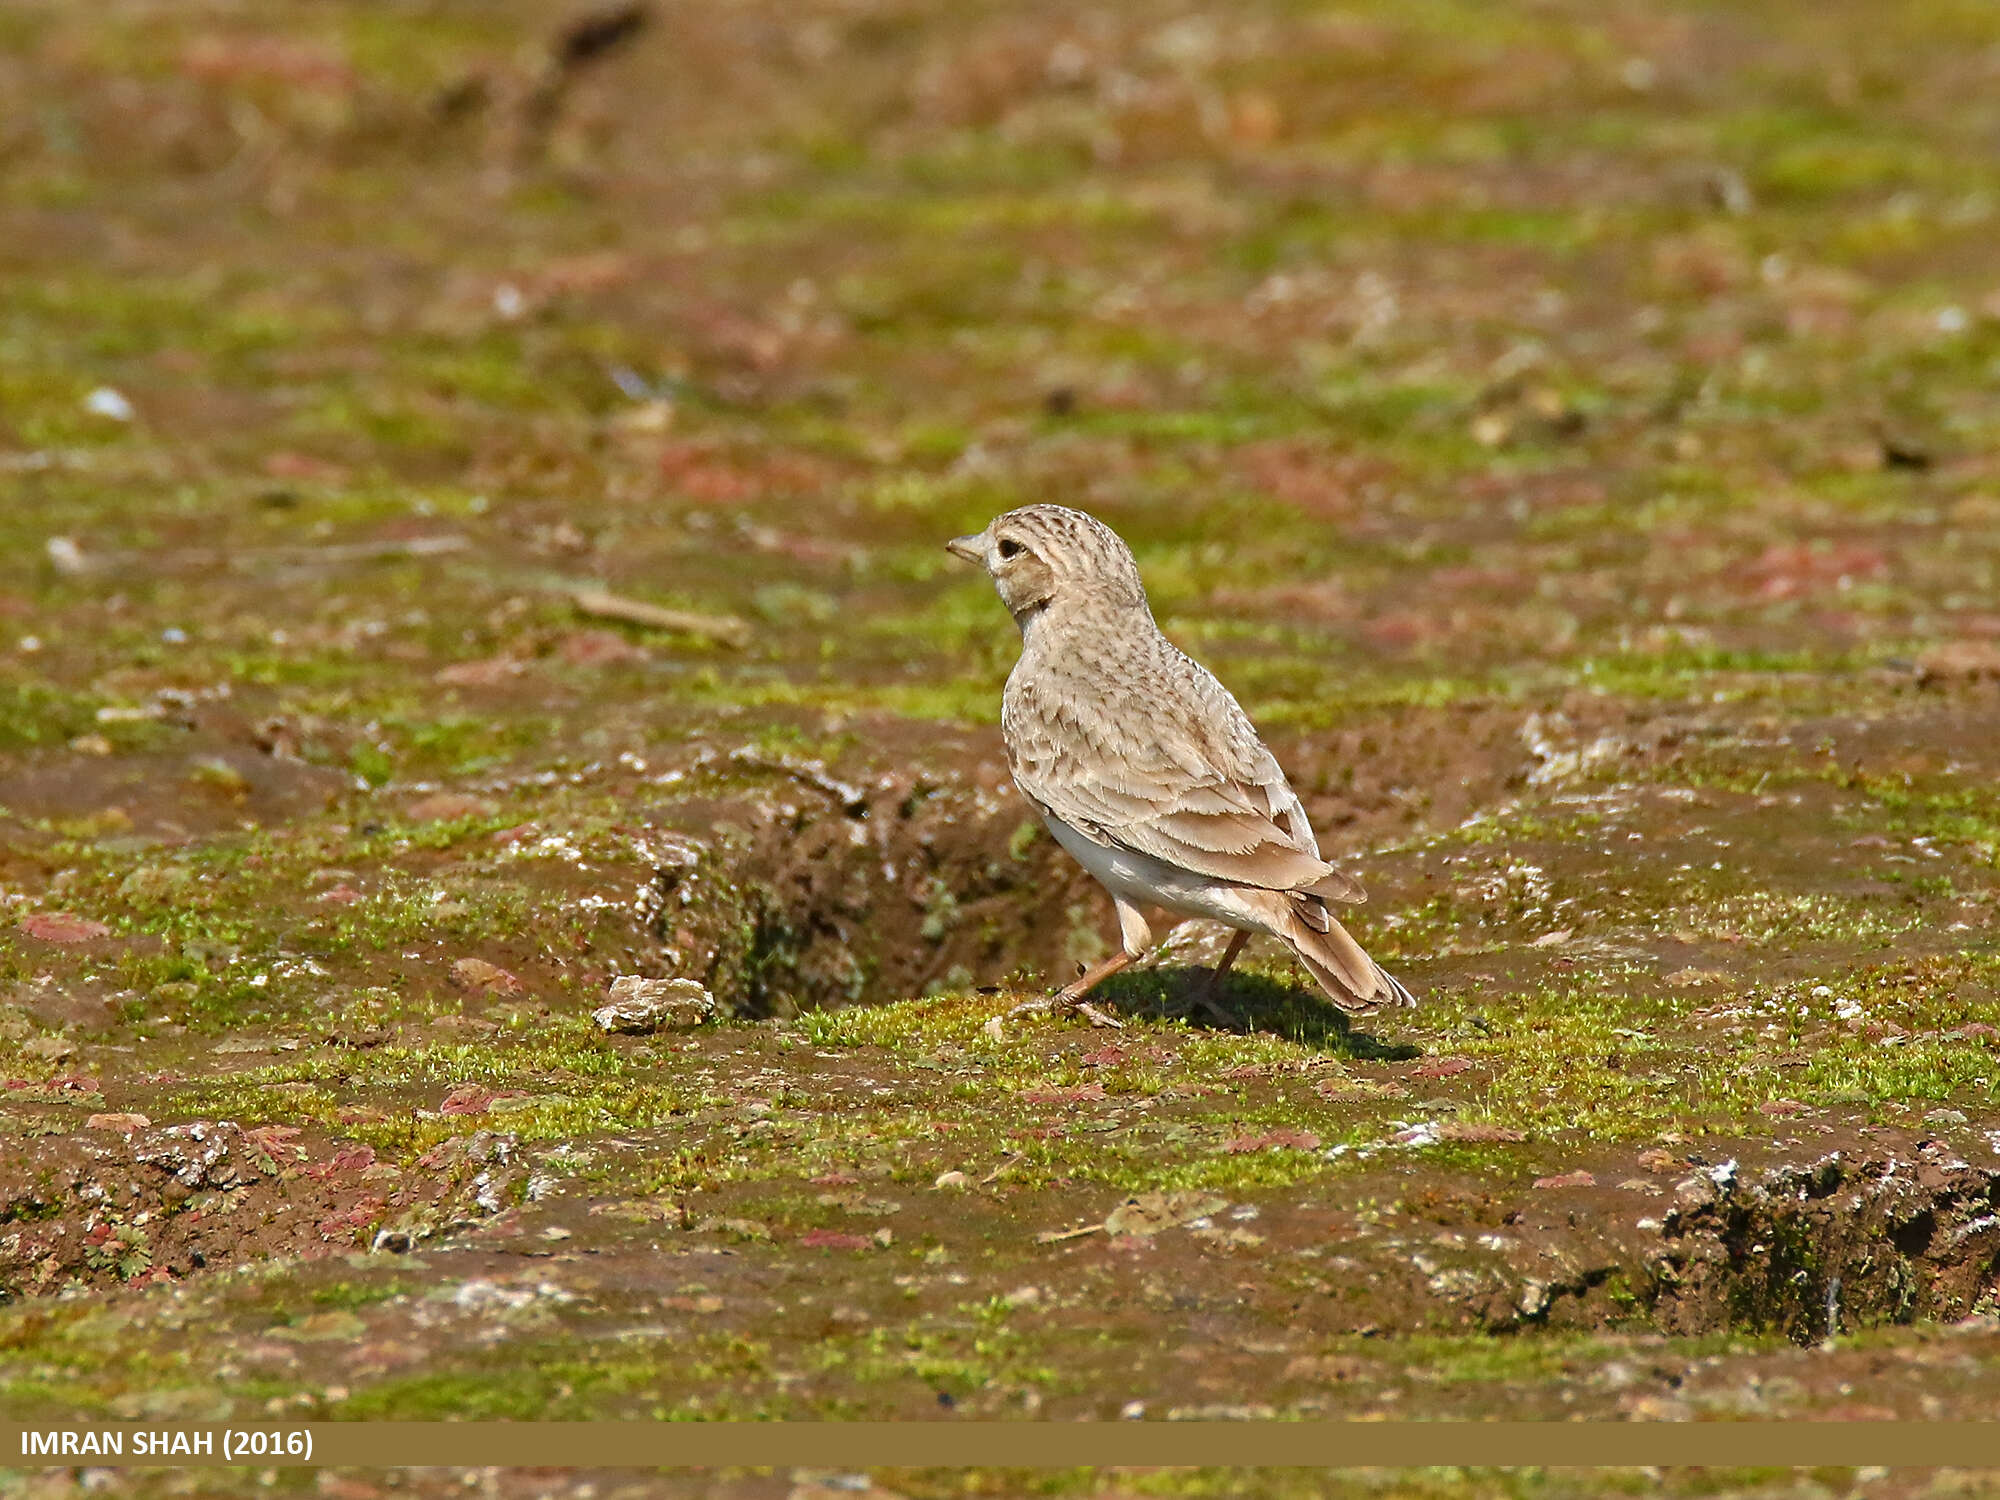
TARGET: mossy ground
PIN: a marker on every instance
(1571, 431)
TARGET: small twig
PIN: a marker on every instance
(339, 552)
(71, 559)
(1014, 1159)
(601, 604)
(1056, 1236)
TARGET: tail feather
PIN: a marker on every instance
(1336, 885)
(1351, 979)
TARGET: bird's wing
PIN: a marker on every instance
(1180, 776)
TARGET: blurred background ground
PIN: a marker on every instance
(1569, 428)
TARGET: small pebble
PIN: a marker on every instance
(641, 1005)
(106, 402)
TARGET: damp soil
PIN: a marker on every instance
(1575, 451)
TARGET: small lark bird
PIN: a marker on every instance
(1148, 771)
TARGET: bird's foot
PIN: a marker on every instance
(1219, 1013)
(1101, 1019)
(1069, 999)
(1205, 1002)
(1063, 1003)
(1206, 997)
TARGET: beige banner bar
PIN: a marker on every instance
(1008, 1444)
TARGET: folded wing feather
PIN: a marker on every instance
(1197, 790)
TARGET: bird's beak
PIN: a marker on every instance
(971, 548)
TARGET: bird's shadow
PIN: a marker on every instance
(1299, 1013)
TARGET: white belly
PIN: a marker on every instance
(1144, 881)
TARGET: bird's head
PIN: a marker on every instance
(1049, 555)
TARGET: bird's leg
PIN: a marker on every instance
(1209, 998)
(1135, 937)
(1206, 995)
(1228, 957)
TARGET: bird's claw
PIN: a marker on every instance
(1060, 1003)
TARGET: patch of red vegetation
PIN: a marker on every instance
(1081, 1093)
(1506, 581)
(286, 464)
(62, 927)
(832, 1239)
(599, 648)
(68, 1083)
(1789, 570)
(478, 974)
(279, 1142)
(1561, 489)
(1401, 629)
(449, 807)
(579, 275)
(348, 1159)
(1306, 475)
(472, 1099)
(270, 59)
(123, 1124)
(1324, 600)
(708, 475)
(352, 1220)
(1442, 1067)
(488, 671)
(1282, 1139)
(1577, 1179)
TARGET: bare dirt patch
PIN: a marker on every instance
(119, 1202)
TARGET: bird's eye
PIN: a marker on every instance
(1011, 548)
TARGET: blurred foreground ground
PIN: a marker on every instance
(1571, 429)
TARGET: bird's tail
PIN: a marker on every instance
(1351, 979)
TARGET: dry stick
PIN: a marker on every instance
(1014, 1159)
(603, 605)
(341, 552)
(70, 559)
(1056, 1236)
